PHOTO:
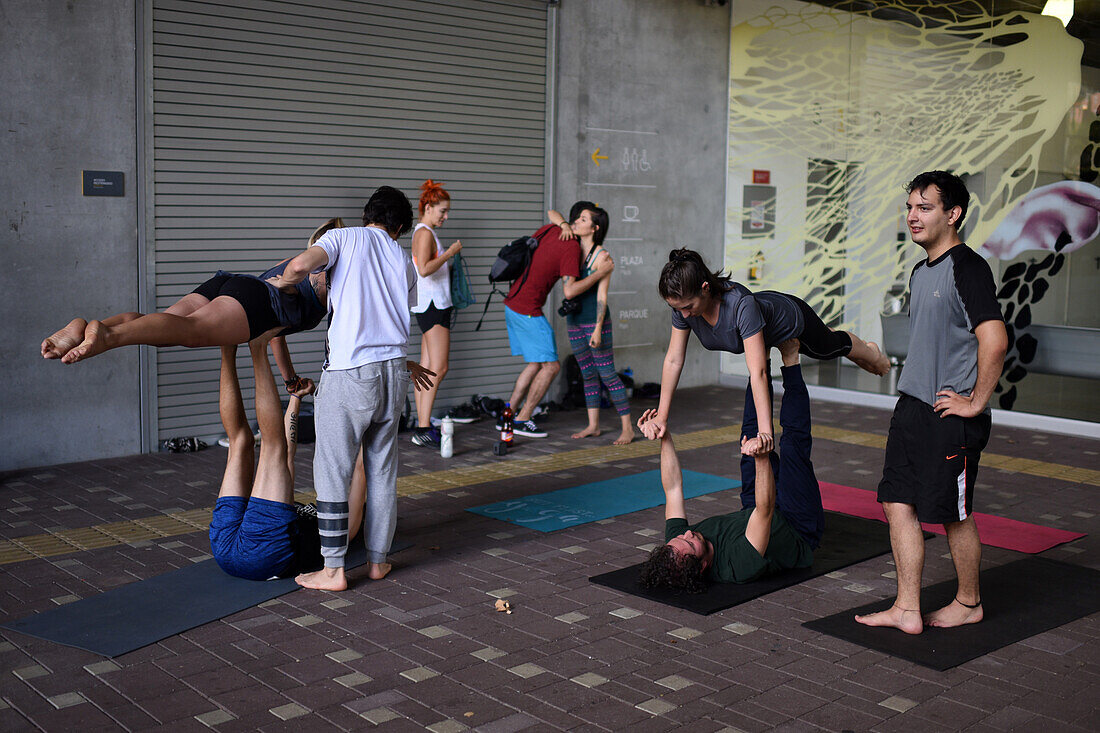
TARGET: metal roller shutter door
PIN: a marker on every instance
(270, 117)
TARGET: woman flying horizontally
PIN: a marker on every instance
(726, 316)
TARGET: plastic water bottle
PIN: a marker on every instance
(447, 437)
(507, 423)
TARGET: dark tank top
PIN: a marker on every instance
(298, 312)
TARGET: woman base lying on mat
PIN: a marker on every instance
(775, 530)
(257, 531)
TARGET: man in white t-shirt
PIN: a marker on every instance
(362, 390)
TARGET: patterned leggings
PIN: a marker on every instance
(596, 365)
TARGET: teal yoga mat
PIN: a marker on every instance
(137, 614)
(563, 508)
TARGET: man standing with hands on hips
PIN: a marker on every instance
(957, 344)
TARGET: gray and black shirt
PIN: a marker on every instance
(949, 297)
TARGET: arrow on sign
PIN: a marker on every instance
(596, 157)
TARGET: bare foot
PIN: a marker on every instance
(954, 614)
(589, 432)
(626, 437)
(908, 620)
(378, 570)
(324, 579)
(93, 343)
(63, 341)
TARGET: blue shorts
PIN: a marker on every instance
(253, 538)
(530, 336)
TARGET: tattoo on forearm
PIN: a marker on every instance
(294, 429)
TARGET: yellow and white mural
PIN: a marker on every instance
(832, 112)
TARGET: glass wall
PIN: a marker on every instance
(832, 112)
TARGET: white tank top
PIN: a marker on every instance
(435, 289)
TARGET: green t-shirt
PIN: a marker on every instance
(735, 559)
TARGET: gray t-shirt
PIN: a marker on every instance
(948, 299)
(742, 314)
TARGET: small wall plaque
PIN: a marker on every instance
(103, 183)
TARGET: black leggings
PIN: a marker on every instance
(818, 340)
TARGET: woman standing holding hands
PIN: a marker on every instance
(433, 309)
(589, 324)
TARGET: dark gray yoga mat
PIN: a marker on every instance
(1021, 599)
(137, 614)
(847, 540)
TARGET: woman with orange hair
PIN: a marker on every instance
(433, 309)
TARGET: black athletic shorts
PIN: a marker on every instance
(433, 317)
(251, 292)
(932, 461)
(818, 340)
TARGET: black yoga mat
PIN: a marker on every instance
(137, 614)
(1021, 599)
(847, 540)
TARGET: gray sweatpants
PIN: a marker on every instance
(360, 406)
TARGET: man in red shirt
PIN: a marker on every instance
(558, 255)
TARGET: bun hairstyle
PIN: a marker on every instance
(432, 193)
(685, 273)
(333, 223)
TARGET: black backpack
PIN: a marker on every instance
(513, 261)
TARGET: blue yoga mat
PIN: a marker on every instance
(563, 508)
(137, 614)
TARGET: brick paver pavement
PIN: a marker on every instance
(424, 649)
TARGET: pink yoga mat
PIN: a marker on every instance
(994, 531)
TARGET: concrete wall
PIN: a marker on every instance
(645, 82)
(68, 75)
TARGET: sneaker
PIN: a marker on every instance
(528, 429)
(306, 511)
(464, 413)
(426, 437)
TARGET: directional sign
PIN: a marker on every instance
(596, 157)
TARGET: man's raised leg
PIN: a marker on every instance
(273, 479)
(966, 553)
(237, 480)
(907, 541)
(799, 495)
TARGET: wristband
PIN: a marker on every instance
(292, 383)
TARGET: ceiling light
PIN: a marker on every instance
(1060, 9)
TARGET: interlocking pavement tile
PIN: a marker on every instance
(488, 653)
(344, 655)
(674, 682)
(589, 679)
(527, 670)
(380, 715)
(352, 680)
(435, 632)
(571, 618)
(626, 613)
(98, 668)
(336, 603)
(447, 726)
(685, 633)
(656, 706)
(289, 711)
(901, 704)
(419, 674)
(496, 551)
(66, 700)
(215, 717)
(30, 672)
(739, 628)
(501, 593)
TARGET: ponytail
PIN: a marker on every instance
(685, 273)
